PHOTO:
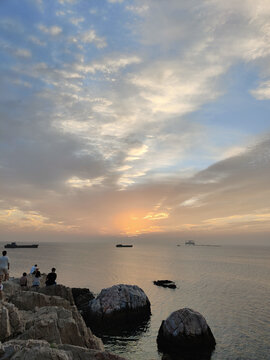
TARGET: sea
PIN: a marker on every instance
(228, 285)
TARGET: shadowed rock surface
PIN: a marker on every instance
(42, 350)
(119, 306)
(186, 332)
(82, 298)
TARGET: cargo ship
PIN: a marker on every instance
(190, 242)
(13, 245)
(123, 245)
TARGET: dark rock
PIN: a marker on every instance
(165, 283)
(186, 332)
(82, 297)
(118, 307)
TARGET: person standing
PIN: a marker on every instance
(4, 266)
(51, 277)
(33, 269)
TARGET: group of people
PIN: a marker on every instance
(35, 272)
(50, 278)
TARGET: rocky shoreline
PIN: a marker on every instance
(46, 324)
(56, 322)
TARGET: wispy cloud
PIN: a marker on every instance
(51, 30)
(92, 37)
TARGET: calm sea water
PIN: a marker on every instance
(229, 285)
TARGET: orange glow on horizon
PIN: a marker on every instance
(132, 223)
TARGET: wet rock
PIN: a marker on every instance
(118, 306)
(186, 331)
(165, 283)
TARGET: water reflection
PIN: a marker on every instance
(190, 355)
(129, 331)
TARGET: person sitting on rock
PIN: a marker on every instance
(23, 280)
(51, 277)
(36, 281)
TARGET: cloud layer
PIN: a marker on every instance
(105, 126)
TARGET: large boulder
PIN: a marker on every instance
(42, 350)
(10, 321)
(118, 306)
(61, 326)
(186, 330)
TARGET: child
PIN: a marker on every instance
(36, 281)
(23, 280)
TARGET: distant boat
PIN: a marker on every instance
(13, 245)
(190, 242)
(123, 245)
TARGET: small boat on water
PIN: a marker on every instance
(124, 245)
(190, 242)
(14, 245)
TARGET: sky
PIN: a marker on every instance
(123, 118)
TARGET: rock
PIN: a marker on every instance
(42, 350)
(117, 306)
(28, 300)
(58, 290)
(82, 297)
(79, 353)
(11, 287)
(165, 283)
(61, 326)
(10, 321)
(186, 330)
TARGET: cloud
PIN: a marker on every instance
(51, 30)
(16, 52)
(109, 65)
(262, 92)
(24, 53)
(115, 1)
(36, 41)
(77, 21)
(92, 37)
(121, 127)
